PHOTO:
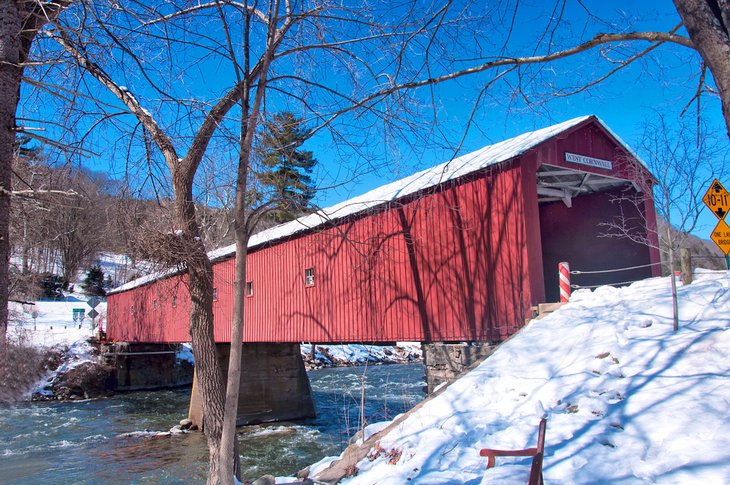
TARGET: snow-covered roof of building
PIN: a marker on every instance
(425, 179)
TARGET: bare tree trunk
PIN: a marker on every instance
(670, 256)
(230, 461)
(10, 77)
(708, 25)
(208, 371)
(20, 20)
(200, 274)
(686, 263)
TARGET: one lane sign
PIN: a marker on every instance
(717, 199)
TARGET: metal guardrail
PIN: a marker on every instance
(613, 270)
(604, 271)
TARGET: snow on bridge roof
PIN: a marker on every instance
(431, 177)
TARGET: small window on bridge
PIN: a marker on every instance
(154, 305)
(309, 277)
(215, 294)
(249, 288)
(174, 301)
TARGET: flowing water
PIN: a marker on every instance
(121, 439)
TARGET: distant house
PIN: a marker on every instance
(460, 252)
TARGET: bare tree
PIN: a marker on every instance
(184, 245)
(708, 25)
(57, 212)
(684, 160)
(281, 37)
(20, 21)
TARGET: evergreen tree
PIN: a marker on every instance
(52, 286)
(108, 283)
(286, 167)
(93, 284)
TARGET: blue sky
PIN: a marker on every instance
(661, 84)
(452, 118)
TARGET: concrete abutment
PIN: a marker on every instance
(274, 384)
(146, 366)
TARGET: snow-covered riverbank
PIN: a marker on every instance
(73, 352)
(627, 399)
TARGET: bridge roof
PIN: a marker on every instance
(425, 179)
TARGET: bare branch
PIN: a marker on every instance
(124, 95)
(34, 193)
(599, 39)
(214, 4)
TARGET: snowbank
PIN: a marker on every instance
(53, 323)
(627, 399)
(50, 326)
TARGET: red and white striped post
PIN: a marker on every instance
(564, 271)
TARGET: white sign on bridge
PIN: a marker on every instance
(590, 161)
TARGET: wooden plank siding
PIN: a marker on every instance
(446, 266)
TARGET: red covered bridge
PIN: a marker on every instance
(459, 252)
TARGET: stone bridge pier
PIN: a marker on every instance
(274, 385)
(445, 361)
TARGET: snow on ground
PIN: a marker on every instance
(47, 324)
(121, 268)
(627, 399)
(53, 323)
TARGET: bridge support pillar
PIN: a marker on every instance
(446, 361)
(274, 385)
(145, 366)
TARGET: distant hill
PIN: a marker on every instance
(705, 253)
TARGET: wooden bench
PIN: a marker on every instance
(536, 454)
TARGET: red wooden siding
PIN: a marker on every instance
(447, 266)
(146, 314)
(461, 262)
(415, 271)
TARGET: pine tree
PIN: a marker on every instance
(93, 284)
(287, 167)
(108, 282)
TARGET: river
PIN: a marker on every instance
(121, 439)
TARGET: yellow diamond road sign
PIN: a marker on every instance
(717, 199)
(721, 236)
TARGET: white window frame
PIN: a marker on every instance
(309, 276)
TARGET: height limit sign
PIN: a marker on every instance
(717, 199)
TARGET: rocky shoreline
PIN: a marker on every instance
(359, 354)
(74, 373)
(78, 372)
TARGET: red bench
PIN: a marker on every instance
(536, 454)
